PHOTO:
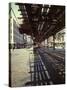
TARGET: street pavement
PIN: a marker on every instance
(20, 66)
(40, 67)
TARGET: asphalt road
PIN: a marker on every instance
(55, 66)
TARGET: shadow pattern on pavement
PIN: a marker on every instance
(38, 72)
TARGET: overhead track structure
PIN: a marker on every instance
(41, 21)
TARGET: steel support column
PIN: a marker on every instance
(53, 42)
(47, 43)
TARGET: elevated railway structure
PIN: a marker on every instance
(41, 21)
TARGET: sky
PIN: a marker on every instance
(16, 12)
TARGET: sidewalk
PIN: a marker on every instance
(20, 66)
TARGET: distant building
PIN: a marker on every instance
(29, 41)
(59, 40)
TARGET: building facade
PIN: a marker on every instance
(16, 39)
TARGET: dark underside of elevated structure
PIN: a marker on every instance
(41, 21)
